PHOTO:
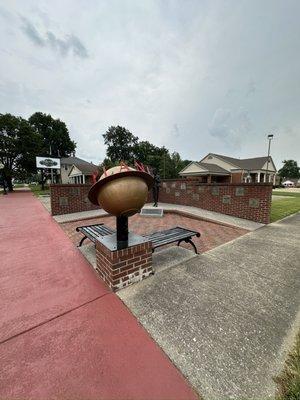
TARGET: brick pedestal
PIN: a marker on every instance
(121, 268)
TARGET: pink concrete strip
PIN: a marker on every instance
(63, 334)
(42, 274)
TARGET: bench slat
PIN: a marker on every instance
(104, 230)
(157, 243)
(170, 235)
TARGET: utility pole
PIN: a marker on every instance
(270, 137)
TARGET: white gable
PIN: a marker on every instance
(271, 166)
(74, 172)
(192, 169)
(211, 159)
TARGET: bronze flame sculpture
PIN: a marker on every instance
(121, 191)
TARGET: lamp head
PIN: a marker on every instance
(270, 137)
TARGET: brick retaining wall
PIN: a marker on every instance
(70, 198)
(244, 200)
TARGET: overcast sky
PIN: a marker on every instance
(196, 76)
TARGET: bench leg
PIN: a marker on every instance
(81, 241)
(188, 241)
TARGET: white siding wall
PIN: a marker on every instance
(64, 173)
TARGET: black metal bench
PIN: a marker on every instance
(158, 239)
(172, 235)
(93, 232)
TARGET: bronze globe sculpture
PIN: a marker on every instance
(121, 191)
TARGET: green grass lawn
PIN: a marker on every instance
(37, 190)
(277, 193)
(284, 207)
(288, 382)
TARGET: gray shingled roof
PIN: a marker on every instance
(73, 160)
(87, 169)
(246, 163)
(213, 168)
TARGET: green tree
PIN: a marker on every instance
(120, 144)
(149, 154)
(290, 170)
(19, 144)
(172, 164)
(55, 135)
(106, 163)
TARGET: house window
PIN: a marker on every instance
(66, 168)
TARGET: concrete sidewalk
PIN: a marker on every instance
(184, 210)
(63, 334)
(227, 317)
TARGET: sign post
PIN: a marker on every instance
(47, 163)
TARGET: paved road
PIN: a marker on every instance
(227, 317)
(63, 334)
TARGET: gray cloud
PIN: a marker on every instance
(251, 88)
(175, 131)
(206, 76)
(70, 43)
(232, 127)
(32, 33)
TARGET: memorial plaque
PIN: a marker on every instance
(215, 191)
(183, 186)
(152, 212)
(254, 203)
(164, 185)
(239, 191)
(173, 185)
(196, 196)
(177, 194)
(167, 190)
(201, 189)
(74, 191)
(63, 201)
(226, 199)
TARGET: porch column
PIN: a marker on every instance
(258, 177)
(265, 178)
(83, 179)
(274, 179)
(209, 179)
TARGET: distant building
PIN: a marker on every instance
(76, 170)
(215, 168)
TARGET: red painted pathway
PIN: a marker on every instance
(63, 334)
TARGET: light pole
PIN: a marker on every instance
(270, 137)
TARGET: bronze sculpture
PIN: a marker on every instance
(155, 188)
(121, 191)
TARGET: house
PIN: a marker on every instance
(216, 168)
(76, 170)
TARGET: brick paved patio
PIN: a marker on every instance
(212, 234)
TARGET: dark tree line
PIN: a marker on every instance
(22, 140)
(122, 145)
